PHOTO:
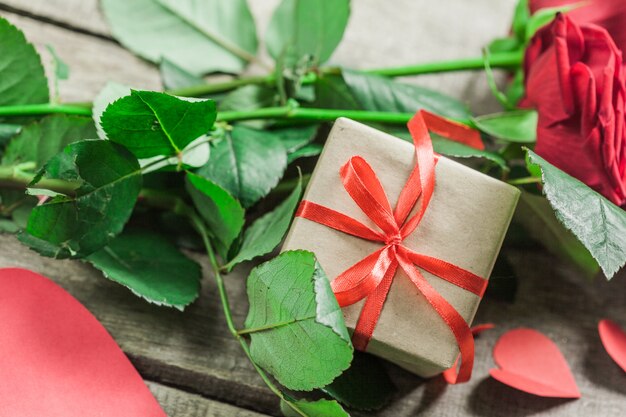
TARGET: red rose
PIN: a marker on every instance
(610, 14)
(575, 80)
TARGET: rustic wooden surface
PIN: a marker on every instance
(191, 363)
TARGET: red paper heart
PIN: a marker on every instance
(531, 362)
(614, 341)
(56, 358)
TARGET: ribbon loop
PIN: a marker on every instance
(371, 277)
(361, 182)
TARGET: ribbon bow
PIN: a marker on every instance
(372, 276)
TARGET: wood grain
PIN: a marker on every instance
(177, 403)
(409, 32)
(193, 352)
(92, 61)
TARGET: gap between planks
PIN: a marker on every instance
(32, 12)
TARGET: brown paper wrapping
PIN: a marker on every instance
(464, 224)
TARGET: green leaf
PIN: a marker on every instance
(220, 210)
(516, 88)
(458, 150)
(546, 15)
(599, 224)
(297, 141)
(151, 267)
(296, 326)
(454, 149)
(332, 92)
(378, 93)
(268, 231)
(80, 223)
(193, 155)
(174, 77)
(40, 141)
(22, 77)
(363, 386)
(111, 92)
(535, 214)
(294, 138)
(16, 206)
(200, 36)
(247, 163)
(508, 44)
(8, 226)
(491, 82)
(319, 408)
(518, 126)
(306, 27)
(249, 97)
(61, 69)
(152, 124)
(520, 19)
(533, 170)
(312, 149)
(7, 132)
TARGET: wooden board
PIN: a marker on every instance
(406, 33)
(92, 61)
(183, 404)
(193, 352)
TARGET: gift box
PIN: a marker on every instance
(464, 225)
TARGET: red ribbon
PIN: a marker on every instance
(371, 277)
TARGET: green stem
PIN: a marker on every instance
(219, 280)
(225, 43)
(43, 109)
(504, 60)
(12, 177)
(501, 60)
(271, 326)
(207, 89)
(282, 112)
(318, 115)
(525, 180)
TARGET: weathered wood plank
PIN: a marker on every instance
(192, 350)
(92, 61)
(406, 33)
(80, 14)
(177, 403)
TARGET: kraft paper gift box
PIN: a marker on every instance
(464, 224)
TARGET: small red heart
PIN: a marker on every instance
(58, 360)
(531, 362)
(614, 341)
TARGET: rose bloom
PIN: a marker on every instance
(610, 14)
(574, 78)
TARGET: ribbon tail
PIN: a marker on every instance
(362, 278)
(336, 220)
(372, 308)
(450, 316)
(455, 275)
(452, 130)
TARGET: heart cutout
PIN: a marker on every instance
(531, 362)
(614, 341)
(58, 360)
